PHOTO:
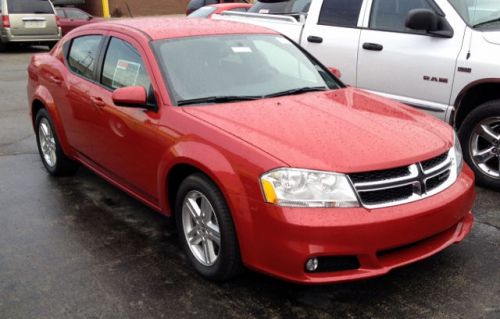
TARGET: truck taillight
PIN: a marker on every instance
(5, 21)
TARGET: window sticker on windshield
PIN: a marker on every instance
(126, 73)
(264, 11)
(241, 49)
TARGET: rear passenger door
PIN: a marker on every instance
(331, 34)
(404, 64)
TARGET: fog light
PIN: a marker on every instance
(312, 264)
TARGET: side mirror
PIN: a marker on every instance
(131, 96)
(90, 18)
(422, 20)
(335, 72)
(428, 21)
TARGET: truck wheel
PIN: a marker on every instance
(51, 153)
(479, 135)
(206, 229)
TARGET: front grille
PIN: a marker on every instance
(435, 161)
(380, 175)
(400, 185)
(386, 195)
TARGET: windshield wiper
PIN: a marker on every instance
(218, 99)
(486, 22)
(298, 91)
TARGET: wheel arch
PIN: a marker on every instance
(473, 95)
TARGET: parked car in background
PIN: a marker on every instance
(280, 7)
(207, 11)
(275, 165)
(194, 5)
(28, 22)
(440, 56)
(70, 18)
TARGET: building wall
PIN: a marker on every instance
(122, 8)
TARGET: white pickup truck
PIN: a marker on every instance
(441, 56)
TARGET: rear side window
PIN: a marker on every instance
(29, 6)
(340, 13)
(76, 14)
(390, 15)
(83, 54)
(123, 66)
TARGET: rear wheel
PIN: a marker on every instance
(206, 229)
(480, 138)
(49, 148)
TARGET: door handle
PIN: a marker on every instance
(97, 101)
(373, 46)
(55, 79)
(314, 39)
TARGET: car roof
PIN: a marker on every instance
(158, 28)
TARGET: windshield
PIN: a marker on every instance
(202, 12)
(282, 7)
(29, 6)
(478, 12)
(238, 66)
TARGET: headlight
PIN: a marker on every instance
(459, 159)
(306, 188)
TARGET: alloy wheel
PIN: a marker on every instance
(47, 142)
(484, 146)
(201, 228)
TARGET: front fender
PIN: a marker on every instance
(207, 159)
(42, 94)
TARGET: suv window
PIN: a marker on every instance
(123, 66)
(390, 15)
(83, 55)
(29, 6)
(340, 13)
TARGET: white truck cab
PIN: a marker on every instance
(441, 56)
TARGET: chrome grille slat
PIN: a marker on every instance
(426, 178)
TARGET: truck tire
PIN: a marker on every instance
(479, 135)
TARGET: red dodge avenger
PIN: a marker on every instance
(263, 157)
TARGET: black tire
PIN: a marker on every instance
(489, 111)
(63, 166)
(228, 263)
(4, 46)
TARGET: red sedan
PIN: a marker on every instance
(265, 158)
(208, 11)
(70, 18)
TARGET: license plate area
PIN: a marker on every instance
(34, 24)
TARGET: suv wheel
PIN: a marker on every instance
(480, 139)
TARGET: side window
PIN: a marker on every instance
(83, 55)
(123, 66)
(390, 15)
(76, 14)
(340, 13)
(60, 13)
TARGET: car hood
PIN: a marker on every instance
(345, 130)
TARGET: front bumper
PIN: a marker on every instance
(279, 241)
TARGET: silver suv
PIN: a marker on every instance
(28, 21)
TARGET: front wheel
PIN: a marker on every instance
(51, 153)
(206, 229)
(479, 135)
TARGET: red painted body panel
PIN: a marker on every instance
(221, 7)
(345, 130)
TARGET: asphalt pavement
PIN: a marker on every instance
(77, 247)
